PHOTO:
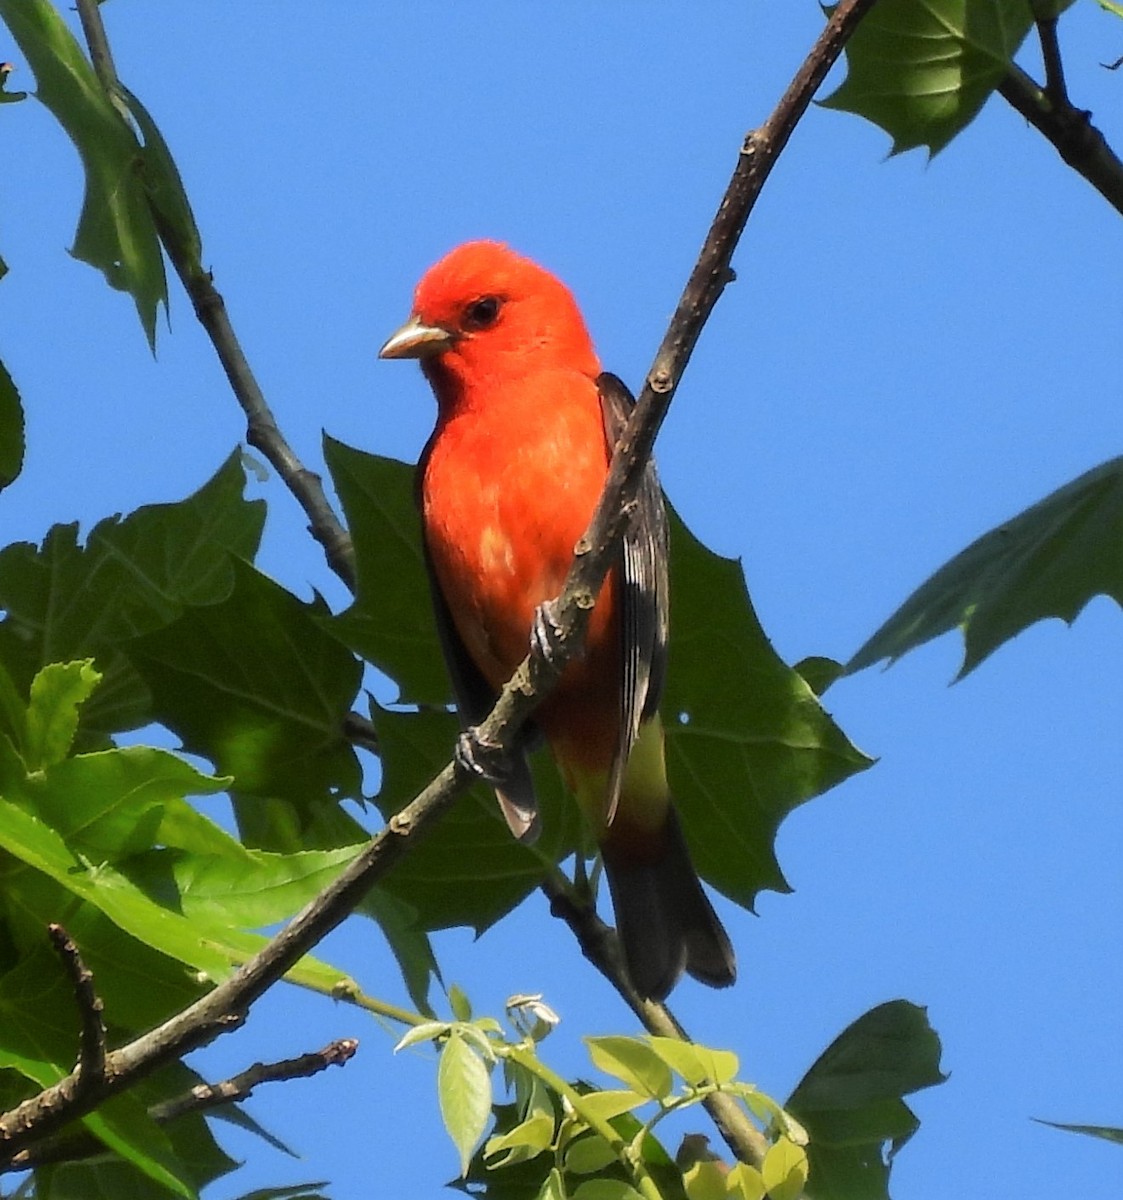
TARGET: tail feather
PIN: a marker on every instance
(664, 919)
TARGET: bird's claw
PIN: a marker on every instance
(481, 759)
(546, 630)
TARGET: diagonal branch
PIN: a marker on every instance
(1050, 111)
(262, 430)
(226, 1006)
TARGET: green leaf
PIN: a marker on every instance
(609, 1104)
(634, 1062)
(64, 602)
(850, 1100)
(297, 1191)
(606, 1189)
(123, 1125)
(257, 686)
(464, 1092)
(57, 693)
(11, 421)
(922, 69)
(1048, 561)
(116, 233)
(696, 1064)
(1112, 6)
(745, 1182)
(166, 194)
(1108, 1132)
(391, 622)
(588, 1154)
(526, 1141)
(818, 672)
(111, 804)
(747, 741)
(784, 1170)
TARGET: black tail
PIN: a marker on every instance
(665, 921)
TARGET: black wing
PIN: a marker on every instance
(475, 698)
(644, 593)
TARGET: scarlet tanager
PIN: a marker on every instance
(526, 425)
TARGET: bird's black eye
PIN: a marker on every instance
(482, 313)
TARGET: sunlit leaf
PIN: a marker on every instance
(632, 1061)
(922, 69)
(464, 1091)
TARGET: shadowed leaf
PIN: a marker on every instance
(11, 427)
(747, 741)
(850, 1100)
(1048, 561)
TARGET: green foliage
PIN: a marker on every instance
(63, 601)
(747, 740)
(572, 1139)
(922, 69)
(1048, 561)
(116, 232)
(109, 842)
(1109, 1133)
(11, 426)
(850, 1100)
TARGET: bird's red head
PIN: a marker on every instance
(485, 315)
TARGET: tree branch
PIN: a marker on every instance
(225, 1007)
(262, 430)
(199, 1099)
(91, 1044)
(1050, 111)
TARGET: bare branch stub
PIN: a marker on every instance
(91, 1046)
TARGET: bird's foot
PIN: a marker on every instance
(482, 759)
(546, 630)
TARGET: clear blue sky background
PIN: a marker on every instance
(913, 352)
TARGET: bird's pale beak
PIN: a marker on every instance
(415, 339)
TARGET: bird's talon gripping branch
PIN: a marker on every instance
(481, 759)
(546, 632)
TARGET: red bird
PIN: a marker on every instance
(526, 425)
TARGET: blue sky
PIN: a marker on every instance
(913, 352)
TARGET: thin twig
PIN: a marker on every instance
(1082, 146)
(91, 1044)
(360, 731)
(201, 1098)
(240, 1087)
(262, 430)
(1051, 112)
(225, 1007)
(1055, 87)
